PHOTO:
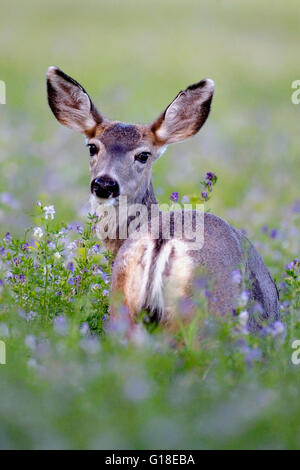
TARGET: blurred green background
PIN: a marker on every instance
(133, 57)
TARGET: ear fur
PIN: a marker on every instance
(186, 114)
(70, 103)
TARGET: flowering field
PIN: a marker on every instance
(71, 378)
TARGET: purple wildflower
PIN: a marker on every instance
(257, 310)
(77, 280)
(201, 283)
(283, 286)
(290, 266)
(97, 270)
(79, 229)
(21, 278)
(204, 195)
(274, 233)
(278, 329)
(8, 200)
(95, 286)
(95, 249)
(2, 251)
(1, 282)
(60, 325)
(251, 354)
(90, 345)
(25, 246)
(105, 277)
(9, 276)
(210, 176)
(174, 196)
(296, 206)
(71, 281)
(4, 330)
(30, 341)
(84, 328)
(186, 306)
(7, 237)
(30, 315)
(70, 267)
(17, 261)
(119, 324)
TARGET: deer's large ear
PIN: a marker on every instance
(70, 103)
(185, 115)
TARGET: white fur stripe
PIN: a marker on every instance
(155, 297)
(147, 258)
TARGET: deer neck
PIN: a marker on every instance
(147, 198)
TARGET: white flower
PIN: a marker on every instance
(57, 255)
(243, 300)
(38, 233)
(243, 317)
(49, 212)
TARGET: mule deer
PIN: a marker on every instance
(153, 273)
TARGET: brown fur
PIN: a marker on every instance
(155, 274)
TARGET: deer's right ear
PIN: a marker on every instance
(70, 103)
(185, 115)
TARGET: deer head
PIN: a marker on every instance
(121, 155)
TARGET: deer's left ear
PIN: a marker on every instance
(185, 115)
(70, 103)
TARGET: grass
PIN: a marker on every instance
(66, 384)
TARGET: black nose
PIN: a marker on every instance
(105, 186)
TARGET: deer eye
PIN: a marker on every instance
(93, 149)
(142, 157)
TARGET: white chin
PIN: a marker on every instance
(99, 201)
